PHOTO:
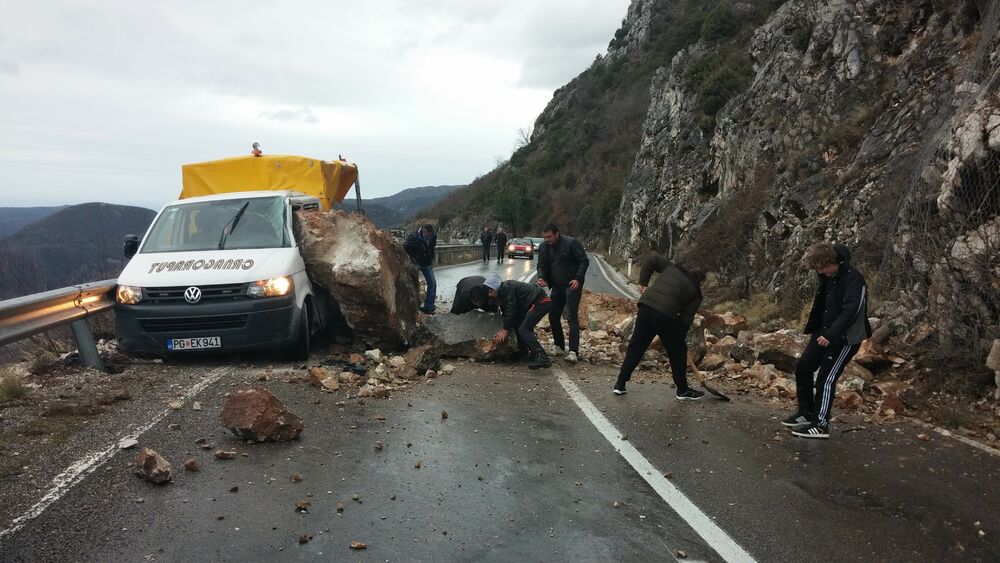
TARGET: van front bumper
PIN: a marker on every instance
(244, 324)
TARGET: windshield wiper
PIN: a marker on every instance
(227, 228)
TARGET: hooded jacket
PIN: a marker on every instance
(515, 298)
(463, 304)
(562, 262)
(420, 249)
(675, 292)
(840, 307)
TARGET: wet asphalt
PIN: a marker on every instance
(516, 472)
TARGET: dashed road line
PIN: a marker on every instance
(76, 472)
(715, 536)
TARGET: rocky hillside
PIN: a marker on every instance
(731, 135)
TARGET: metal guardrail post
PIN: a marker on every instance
(89, 356)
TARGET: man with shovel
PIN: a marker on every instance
(666, 309)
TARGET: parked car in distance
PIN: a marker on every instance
(520, 247)
(535, 241)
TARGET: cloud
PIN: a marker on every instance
(303, 114)
(7, 67)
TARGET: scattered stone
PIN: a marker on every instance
(616, 504)
(340, 507)
(374, 391)
(223, 454)
(196, 406)
(444, 414)
(924, 437)
(304, 538)
(681, 554)
(891, 405)
(317, 375)
(128, 443)
(152, 467)
(447, 369)
(331, 383)
(378, 445)
(356, 545)
(417, 465)
(430, 374)
(397, 362)
(303, 506)
(356, 358)
(848, 400)
(258, 415)
(374, 355)
(175, 405)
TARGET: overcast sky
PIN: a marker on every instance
(104, 100)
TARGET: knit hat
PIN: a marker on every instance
(492, 282)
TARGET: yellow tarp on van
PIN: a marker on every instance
(329, 181)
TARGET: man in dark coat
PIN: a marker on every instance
(463, 296)
(501, 240)
(837, 325)
(486, 239)
(562, 266)
(420, 246)
(666, 309)
(522, 306)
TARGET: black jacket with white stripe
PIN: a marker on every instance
(840, 307)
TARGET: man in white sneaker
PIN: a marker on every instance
(666, 309)
(837, 325)
(562, 266)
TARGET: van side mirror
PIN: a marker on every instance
(130, 246)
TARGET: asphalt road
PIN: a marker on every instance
(527, 466)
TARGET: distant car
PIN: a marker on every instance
(535, 242)
(520, 247)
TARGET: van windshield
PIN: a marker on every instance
(200, 226)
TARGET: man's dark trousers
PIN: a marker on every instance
(486, 251)
(561, 297)
(650, 323)
(816, 401)
(526, 339)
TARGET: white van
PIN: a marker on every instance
(222, 272)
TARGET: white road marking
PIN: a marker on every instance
(949, 434)
(715, 536)
(626, 292)
(76, 472)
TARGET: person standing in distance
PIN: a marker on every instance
(486, 239)
(501, 240)
(562, 266)
(666, 309)
(837, 325)
(420, 246)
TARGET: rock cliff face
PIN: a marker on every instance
(875, 123)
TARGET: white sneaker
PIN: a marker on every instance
(571, 357)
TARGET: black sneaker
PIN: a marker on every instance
(797, 421)
(540, 361)
(619, 389)
(690, 395)
(813, 431)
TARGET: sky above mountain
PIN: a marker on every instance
(103, 101)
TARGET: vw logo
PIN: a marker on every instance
(192, 295)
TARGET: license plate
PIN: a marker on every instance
(177, 344)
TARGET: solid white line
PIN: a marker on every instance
(967, 441)
(624, 292)
(76, 472)
(715, 536)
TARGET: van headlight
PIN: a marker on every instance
(129, 294)
(274, 287)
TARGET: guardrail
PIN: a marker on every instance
(456, 253)
(22, 317)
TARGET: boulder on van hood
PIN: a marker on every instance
(366, 270)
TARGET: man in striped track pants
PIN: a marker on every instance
(837, 325)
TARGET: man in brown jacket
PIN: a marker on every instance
(666, 309)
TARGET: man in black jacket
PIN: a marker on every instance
(463, 296)
(486, 239)
(522, 306)
(420, 246)
(666, 309)
(837, 325)
(562, 266)
(501, 241)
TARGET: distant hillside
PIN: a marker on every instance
(13, 219)
(77, 244)
(396, 210)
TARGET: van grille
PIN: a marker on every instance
(224, 292)
(181, 325)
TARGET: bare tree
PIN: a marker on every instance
(523, 137)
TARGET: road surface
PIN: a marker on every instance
(527, 466)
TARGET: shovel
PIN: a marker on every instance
(701, 380)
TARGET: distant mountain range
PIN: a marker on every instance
(13, 219)
(75, 244)
(398, 209)
(44, 248)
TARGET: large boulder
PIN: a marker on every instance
(366, 270)
(256, 414)
(469, 335)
